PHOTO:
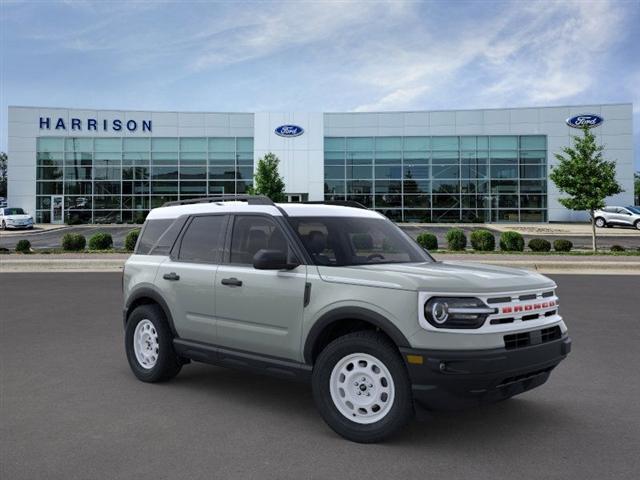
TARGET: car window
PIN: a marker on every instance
(347, 241)
(13, 211)
(151, 232)
(609, 209)
(252, 233)
(203, 240)
(314, 235)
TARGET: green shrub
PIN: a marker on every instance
(540, 245)
(23, 246)
(562, 245)
(511, 242)
(617, 248)
(100, 241)
(456, 239)
(483, 240)
(427, 240)
(131, 239)
(73, 242)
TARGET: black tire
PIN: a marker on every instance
(168, 364)
(602, 221)
(4, 225)
(637, 224)
(383, 349)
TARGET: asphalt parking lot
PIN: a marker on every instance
(71, 409)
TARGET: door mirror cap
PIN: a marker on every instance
(272, 260)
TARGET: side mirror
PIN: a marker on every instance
(272, 260)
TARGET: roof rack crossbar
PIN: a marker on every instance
(342, 203)
(250, 199)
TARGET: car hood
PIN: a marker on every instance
(445, 277)
(17, 217)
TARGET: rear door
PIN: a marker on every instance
(187, 278)
(259, 310)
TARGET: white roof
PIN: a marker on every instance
(292, 209)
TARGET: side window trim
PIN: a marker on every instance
(175, 250)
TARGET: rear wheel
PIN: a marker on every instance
(149, 345)
(637, 224)
(600, 223)
(361, 387)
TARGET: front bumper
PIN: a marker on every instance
(450, 379)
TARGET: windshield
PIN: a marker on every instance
(347, 241)
(13, 211)
(634, 210)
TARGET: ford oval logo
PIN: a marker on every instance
(587, 120)
(289, 131)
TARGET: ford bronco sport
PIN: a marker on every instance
(338, 296)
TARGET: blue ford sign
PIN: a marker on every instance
(587, 120)
(289, 131)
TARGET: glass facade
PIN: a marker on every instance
(109, 180)
(498, 178)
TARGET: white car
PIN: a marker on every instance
(15, 218)
(622, 216)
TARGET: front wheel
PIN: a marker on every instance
(637, 224)
(4, 226)
(149, 345)
(600, 223)
(361, 387)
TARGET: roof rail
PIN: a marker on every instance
(342, 203)
(250, 199)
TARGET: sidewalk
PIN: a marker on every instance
(611, 265)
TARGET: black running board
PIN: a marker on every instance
(224, 357)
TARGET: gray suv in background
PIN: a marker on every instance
(618, 216)
(340, 297)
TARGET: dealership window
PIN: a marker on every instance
(441, 178)
(117, 179)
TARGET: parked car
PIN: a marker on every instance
(340, 297)
(620, 216)
(3, 202)
(15, 218)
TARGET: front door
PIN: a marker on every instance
(187, 278)
(57, 209)
(259, 310)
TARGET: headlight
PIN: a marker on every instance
(452, 312)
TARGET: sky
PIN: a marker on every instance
(318, 56)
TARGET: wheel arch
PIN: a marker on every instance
(148, 296)
(345, 320)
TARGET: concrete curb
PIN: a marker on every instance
(28, 265)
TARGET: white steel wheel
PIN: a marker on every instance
(145, 344)
(362, 388)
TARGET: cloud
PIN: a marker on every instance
(528, 54)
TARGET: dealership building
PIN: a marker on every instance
(425, 166)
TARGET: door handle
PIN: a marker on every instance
(232, 282)
(173, 276)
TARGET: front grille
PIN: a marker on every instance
(525, 339)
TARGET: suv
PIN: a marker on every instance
(15, 218)
(338, 296)
(623, 216)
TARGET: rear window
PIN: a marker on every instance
(158, 236)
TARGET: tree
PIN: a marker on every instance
(267, 181)
(636, 188)
(3, 174)
(585, 177)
